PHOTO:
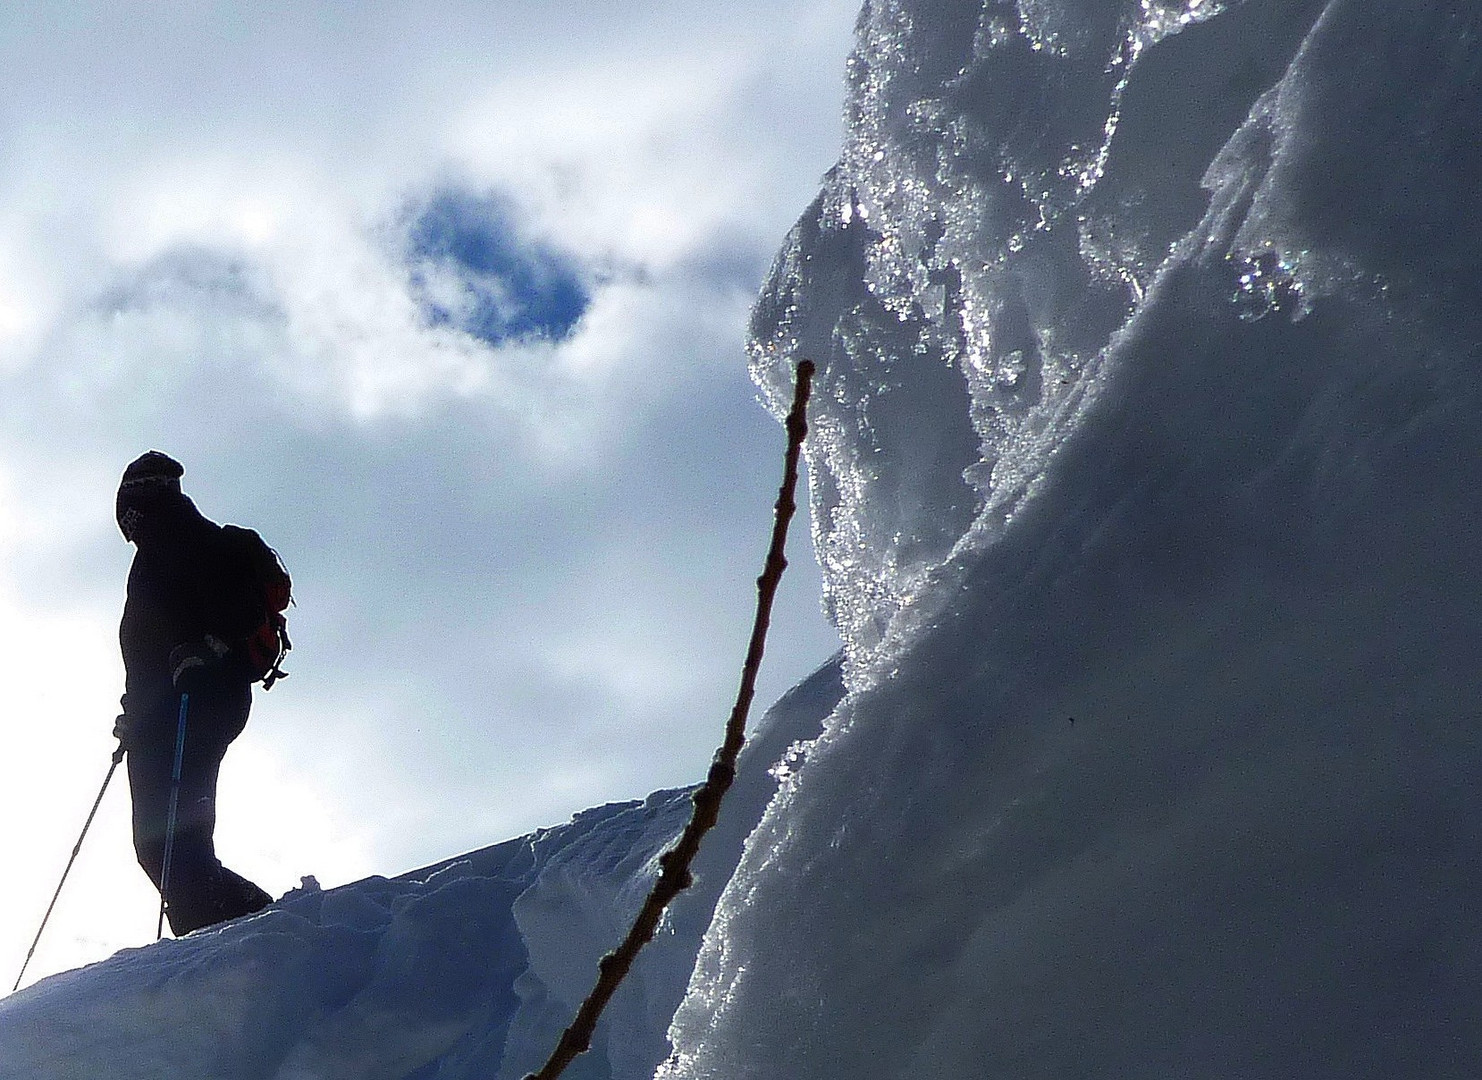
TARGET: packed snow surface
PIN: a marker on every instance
(1142, 462)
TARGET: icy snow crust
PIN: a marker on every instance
(1146, 432)
(468, 970)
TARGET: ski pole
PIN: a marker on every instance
(159, 929)
(113, 767)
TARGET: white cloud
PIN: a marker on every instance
(624, 133)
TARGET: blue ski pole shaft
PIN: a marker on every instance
(77, 847)
(159, 929)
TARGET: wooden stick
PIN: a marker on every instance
(674, 876)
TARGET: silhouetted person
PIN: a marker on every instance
(185, 622)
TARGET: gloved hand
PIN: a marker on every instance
(193, 659)
(123, 730)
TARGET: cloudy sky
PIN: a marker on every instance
(447, 299)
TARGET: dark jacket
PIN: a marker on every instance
(184, 586)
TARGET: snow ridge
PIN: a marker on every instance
(465, 970)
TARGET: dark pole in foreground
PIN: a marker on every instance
(674, 876)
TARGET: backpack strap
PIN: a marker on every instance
(280, 626)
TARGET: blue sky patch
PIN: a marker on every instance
(473, 269)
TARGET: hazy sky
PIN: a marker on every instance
(448, 300)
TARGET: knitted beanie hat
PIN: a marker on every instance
(150, 478)
(153, 468)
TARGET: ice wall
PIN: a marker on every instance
(1008, 191)
(1143, 480)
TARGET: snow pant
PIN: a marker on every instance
(200, 891)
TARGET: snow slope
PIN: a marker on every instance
(468, 969)
(1145, 484)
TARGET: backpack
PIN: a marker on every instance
(262, 635)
